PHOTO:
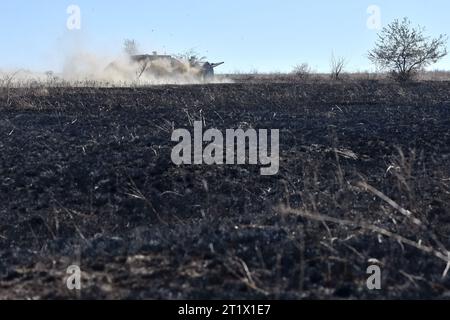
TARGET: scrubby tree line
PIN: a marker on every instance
(402, 50)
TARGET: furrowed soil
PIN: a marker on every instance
(86, 179)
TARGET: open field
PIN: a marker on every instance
(86, 177)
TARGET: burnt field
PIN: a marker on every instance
(86, 178)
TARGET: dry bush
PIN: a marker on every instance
(337, 66)
(302, 71)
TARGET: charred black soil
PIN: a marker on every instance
(86, 178)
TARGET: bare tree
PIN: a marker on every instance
(337, 66)
(130, 46)
(404, 50)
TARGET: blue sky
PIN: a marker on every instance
(263, 35)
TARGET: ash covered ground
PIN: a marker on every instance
(86, 178)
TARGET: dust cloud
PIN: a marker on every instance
(90, 69)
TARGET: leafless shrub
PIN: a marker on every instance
(302, 71)
(337, 66)
(6, 84)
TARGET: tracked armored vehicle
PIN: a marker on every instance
(163, 66)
